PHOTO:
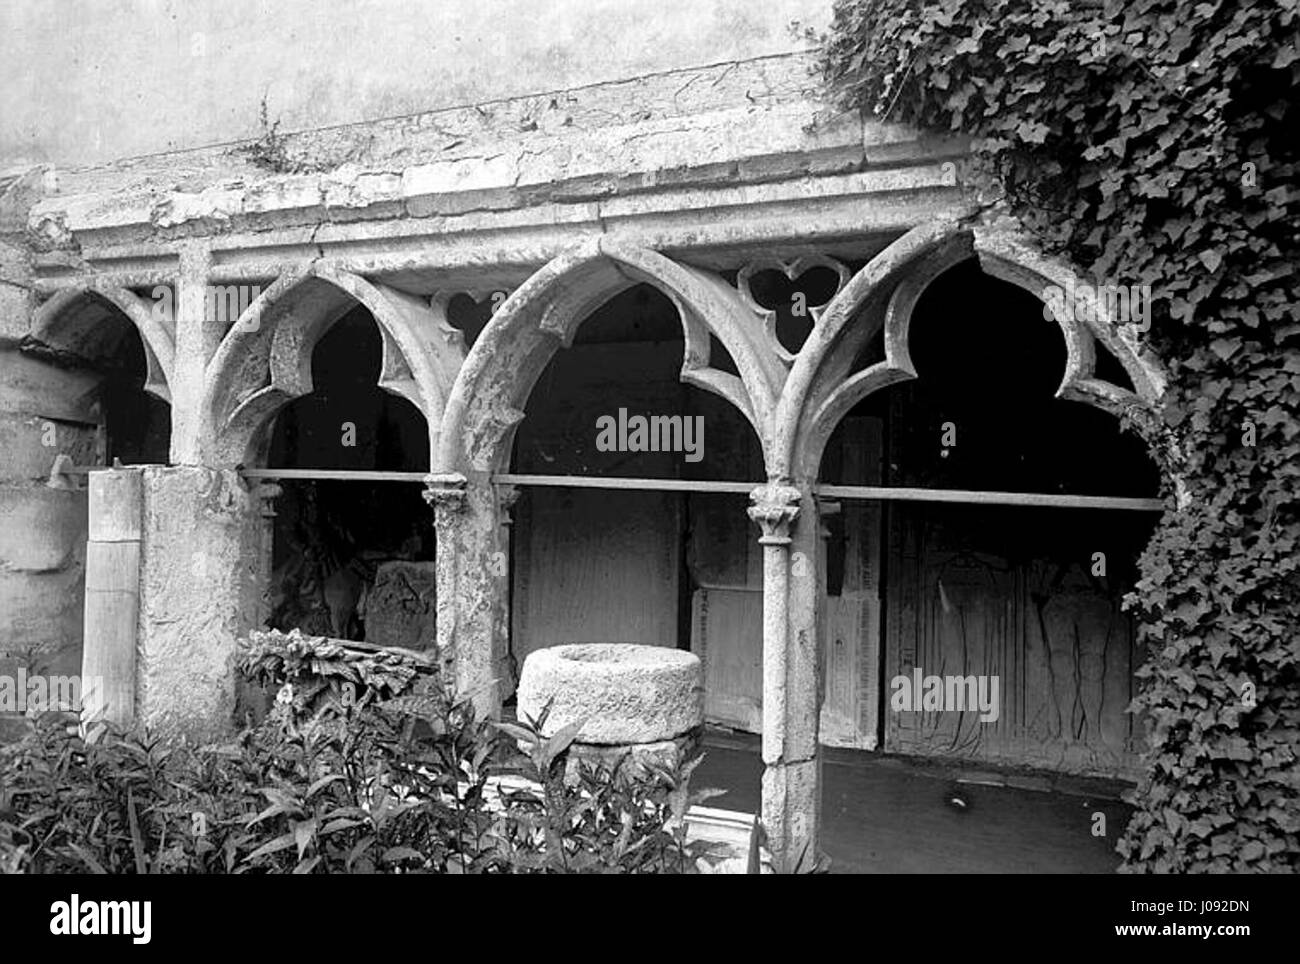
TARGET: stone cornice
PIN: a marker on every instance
(710, 225)
(688, 173)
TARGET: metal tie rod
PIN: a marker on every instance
(852, 492)
(884, 493)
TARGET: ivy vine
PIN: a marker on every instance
(1154, 143)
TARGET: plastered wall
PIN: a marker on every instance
(84, 83)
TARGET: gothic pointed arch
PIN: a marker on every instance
(264, 360)
(821, 388)
(70, 319)
(543, 315)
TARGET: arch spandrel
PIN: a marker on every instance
(264, 360)
(829, 352)
(67, 320)
(544, 314)
(838, 390)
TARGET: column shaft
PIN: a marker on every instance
(791, 680)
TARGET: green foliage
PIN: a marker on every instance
(1153, 143)
(626, 820)
(271, 152)
(365, 764)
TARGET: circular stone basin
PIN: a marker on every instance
(622, 693)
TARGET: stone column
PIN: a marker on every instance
(197, 337)
(112, 607)
(473, 581)
(199, 592)
(791, 689)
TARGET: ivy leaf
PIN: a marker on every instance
(1033, 132)
(1211, 259)
(1225, 348)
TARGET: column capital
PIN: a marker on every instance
(775, 508)
(445, 489)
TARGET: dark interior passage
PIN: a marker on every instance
(111, 417)
(137, 424)
(1030, 596)
(352, 559)
(1027, 596)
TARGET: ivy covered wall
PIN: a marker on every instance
(1153, 143)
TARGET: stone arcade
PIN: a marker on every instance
(687, 214)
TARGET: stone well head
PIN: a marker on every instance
(622, 693)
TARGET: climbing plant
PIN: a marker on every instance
(1153, 143)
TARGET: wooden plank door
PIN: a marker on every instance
(964, 601)
(727, 635)
(850, 708)
(595, 566)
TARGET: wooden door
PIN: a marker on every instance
(595, 566)
(727, 635)
(1008, 593)
(1028, 596)
(850, 706)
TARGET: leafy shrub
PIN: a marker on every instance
(365, 764)
(1153, 143)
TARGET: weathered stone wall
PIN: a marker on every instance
(42, 538)
(17, 300)
(44, 410)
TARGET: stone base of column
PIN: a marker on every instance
(198, 594)
(792, 814)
